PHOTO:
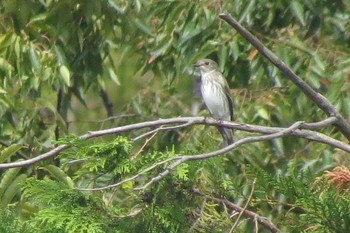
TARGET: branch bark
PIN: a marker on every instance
(317, 98)
(303, 131)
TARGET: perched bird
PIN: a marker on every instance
(216, 96)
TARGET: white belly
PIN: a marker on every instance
(216, 103)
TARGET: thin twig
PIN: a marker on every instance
(130, 178)
(256, 225)
(152, 132)
(200, 214)
(260, 219)
(244, 208)
(144, 145)
(316, 97)
(111, 197)
(161, 128)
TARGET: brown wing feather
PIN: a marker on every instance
(230, 102)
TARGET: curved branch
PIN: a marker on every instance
(181, 121)
(317, 98)
(186, 158)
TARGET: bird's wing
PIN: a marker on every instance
(225, 86)
(230, 101)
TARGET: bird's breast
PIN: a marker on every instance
(215, 99)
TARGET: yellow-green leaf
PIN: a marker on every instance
(65, 74)
(9, 151)
(113, 76)
(262, 112)
(297, 10)
(34, 58)
(7, 178)
(59, 175)
(12, 189)
(5, 65)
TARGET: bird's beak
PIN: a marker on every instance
(198, 64)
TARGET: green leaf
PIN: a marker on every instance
(346, 107)
(223, 56)
(250, 5)
(60, 55)
(182, 171)
(314, 26)
(162, 49)
(5, 101)
(321, 65)
(2, 91)
(314, 79)
(138, 5)
(234, 50)
(113, 76)
(5, 65)
(39, 17)
(8, 176)
(263, 113)
(65, 74)
(34, 59)
(12, 189)
(7, 39)
(79, 93)
(298, 12)
(144, 27)
(59, 175)
(9, 151)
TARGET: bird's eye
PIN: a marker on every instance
(206, 63)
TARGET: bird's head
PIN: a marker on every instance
(206, 65)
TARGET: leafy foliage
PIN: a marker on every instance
(67, 65)
(64, 210)
(314, 205)
(11, 223)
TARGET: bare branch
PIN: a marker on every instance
(161, 128)
(180, 122)
(317, 98)
(36, 159)
(262, 220)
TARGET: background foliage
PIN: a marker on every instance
(68, 65)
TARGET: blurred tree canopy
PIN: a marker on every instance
(72, 66)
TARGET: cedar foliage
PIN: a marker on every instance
(67, 65)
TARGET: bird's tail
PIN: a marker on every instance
(227, 135)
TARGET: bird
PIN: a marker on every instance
(216, 95)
